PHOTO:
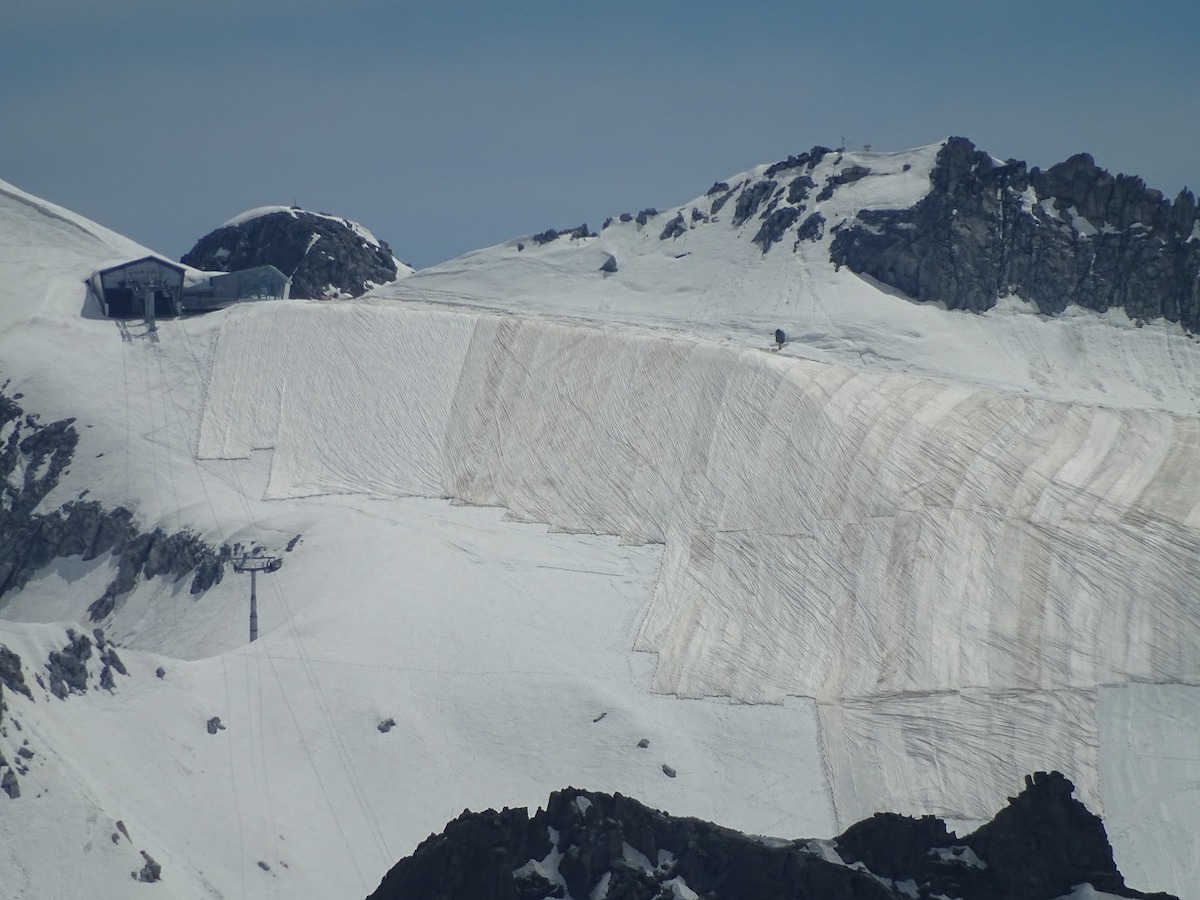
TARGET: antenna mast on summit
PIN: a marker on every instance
(254, 565)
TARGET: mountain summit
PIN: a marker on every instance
(324, 255)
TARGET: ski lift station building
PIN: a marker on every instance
(128, 289)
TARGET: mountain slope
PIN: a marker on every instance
(935, 585)
(709, 277)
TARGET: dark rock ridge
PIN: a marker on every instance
(1073, 234)
(33, 458)
(322, 254)
(551, 234)
(592, 844)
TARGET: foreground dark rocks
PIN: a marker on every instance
(589, 844)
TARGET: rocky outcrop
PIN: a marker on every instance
(1071, 235)
(11, 675)
(324, 255)
(33, 459)
(592, 844)
(551, 234)
(68, 667)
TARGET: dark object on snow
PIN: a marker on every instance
(386, 725)
(320, 253)
(214, 725)
(750, 199)
(262, 865)
(610, 264)
(160, 672)
(644, 743)
(674, 228)
(10, 785)
(775, 226)
(68, 667)
(11, 675)
(799, 187)
(645, 215)
(599, 717)
(24, 752)
(1038, 848)
(849, 175)
(1071, 235)
(668, 771)
(780, 337)
(579, 231)
(812, 228)
(151, 871)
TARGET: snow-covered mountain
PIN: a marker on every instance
(553, 498)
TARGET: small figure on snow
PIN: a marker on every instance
(779, 339)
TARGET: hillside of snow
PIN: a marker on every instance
(546, 512)
(708, 277)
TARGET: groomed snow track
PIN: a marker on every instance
(902, 550)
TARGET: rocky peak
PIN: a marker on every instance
(324, 255)
(587, 843)
(1071, 235)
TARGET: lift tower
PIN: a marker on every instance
(254, 565)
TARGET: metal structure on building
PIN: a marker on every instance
(152, 287)
(223, 289)
(148, 287)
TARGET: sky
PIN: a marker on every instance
(448, 126)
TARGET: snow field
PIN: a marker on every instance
(896, 548)
(500, 651)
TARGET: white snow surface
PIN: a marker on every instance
(923, 553)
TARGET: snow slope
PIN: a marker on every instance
(915, 583)
(711, 280)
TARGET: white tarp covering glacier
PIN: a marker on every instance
(897, 548)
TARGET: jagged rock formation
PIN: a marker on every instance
(587, 844)
(323, 255)
(1073, 234)
(68, 666)
(33, 457)
(11, 676)
(551, 234)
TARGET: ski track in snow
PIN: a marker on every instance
(923, 553)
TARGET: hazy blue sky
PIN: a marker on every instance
(446, 126)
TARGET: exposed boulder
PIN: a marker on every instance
(848, 175)
(799, 187)
(750, 199)
(324, 255)
(674, 228)
(150, 872)
(67, 667)
(10, 785)
(550, 234)
(11, 675)
(775, 226)
(812, 228)
(1072, 235)
(591, 844)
